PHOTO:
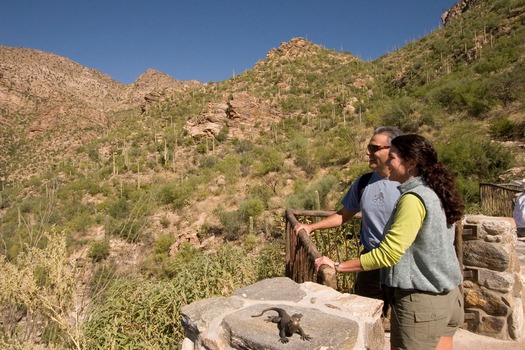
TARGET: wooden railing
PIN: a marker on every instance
(498, 199)
(340, 244)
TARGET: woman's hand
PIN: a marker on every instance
(324, 260)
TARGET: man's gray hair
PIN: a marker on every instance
(391, 131)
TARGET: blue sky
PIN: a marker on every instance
(208, 40)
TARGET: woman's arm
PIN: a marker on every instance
(408, 219)
(407, 222)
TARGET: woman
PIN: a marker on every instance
(417, 252)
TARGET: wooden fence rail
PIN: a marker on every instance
(341, 244)
(498, 199)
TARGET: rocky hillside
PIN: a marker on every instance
(50, 104)
(203, 158)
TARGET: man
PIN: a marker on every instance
(375, 199)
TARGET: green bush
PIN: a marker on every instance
(470, 94)
(503, 129)
(251, 207)
(263, 192)
(136, 314)
(268, 160)
(402, 113)
(99, 250)
(119, 208)
(233, 224)
(177, 195)
(163, 244)
(306, 197)
(472, 158)
(139, 313)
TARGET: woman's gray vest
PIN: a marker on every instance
(430, 264)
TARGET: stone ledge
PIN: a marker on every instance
(333, 320)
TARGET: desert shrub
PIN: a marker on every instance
(507, 87)
(270, 262)
(233, 224)
(135, 313)
(401, 113)
(81, 220)
(163, 244)
(177, 195)
(251, 207)
(223, 134)
(164, 221)
(464, 94)
(202, 148)
(103, 276)
(297, 143)
(249, 242)
(229, 166)
(263, 192)
(86, 184)
(304, 158)
(99, 250)
(473, 159)
(118, 208)
(43, 282)
(268, 160)
(129, 229)
(306, 197)
(140, 313)
(503, 129)
(243, 145)
(208, 161)
(331, 150)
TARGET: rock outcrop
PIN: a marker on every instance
(456, 10)
(239, 114)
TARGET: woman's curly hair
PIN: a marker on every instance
(417, 148)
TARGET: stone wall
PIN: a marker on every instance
(333, 320)
(493, 285)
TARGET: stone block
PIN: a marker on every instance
(486, 255)
(516, 321)
(498, 281)
(327, 331)
(279, 288)
(493, 326)
(486, 300)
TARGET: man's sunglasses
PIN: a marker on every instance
(374, 148)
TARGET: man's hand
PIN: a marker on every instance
(307, 228)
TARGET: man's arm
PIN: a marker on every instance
(334, 220)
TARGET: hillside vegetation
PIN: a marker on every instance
(119, 204)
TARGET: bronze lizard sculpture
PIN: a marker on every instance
(288, 325)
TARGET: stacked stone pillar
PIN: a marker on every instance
(492, 285)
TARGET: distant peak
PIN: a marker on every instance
(293, 49)
(153, 73)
